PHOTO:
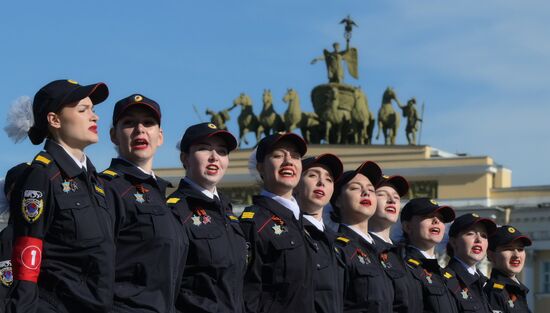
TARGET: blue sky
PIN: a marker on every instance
(480, 67)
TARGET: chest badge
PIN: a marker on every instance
(362, 257)
(464, 294)
(69, 185)
(279, 227)
(511, 303)
(139, 197)
(201, 217)
(384, 260)
(141, 194)
(6, 274)
(196, 220)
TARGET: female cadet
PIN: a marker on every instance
(279, 275)
(216, 262)
(467, 247)
(423, 221)
(507, 255)
(149, 239)
(389, 191)
(6, 235)
(63, 247)
(367, 287)
(313, 193)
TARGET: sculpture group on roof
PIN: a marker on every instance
(341, 111)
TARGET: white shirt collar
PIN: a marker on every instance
(317, 223)
(366, 236)
(204, 191)
(290, 204)
(388, 241)
(471, 269)
(79, 163)
(425, 254)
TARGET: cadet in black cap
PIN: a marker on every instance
(423, 221)
(150, 241)
(63, 254)
(367, 287)
(279, 276)
(389, 191)
(507, 255)
(467, 247)
(6, 235)
(313, 193)
(216, 263)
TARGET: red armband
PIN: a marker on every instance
(26, 258)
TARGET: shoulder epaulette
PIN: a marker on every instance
(42, 159)
(173, 200)
(247, 215)
(110, 173)
(498, 286)
(413, 262)
(343, 239)
(447, 275)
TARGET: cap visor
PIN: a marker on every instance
(490, 226)
(296, 140)
(371, 170)
(526, 240)
(447, 213)
(399, 183)
(329, 160)
(97, 93)
(227, 137)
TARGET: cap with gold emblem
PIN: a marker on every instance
(505, 235)
(133, 101)
(201, 131)
(425, 206)
(56, 94)
(466, 221)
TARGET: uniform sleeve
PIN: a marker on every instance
(252, 289)
(30, 207)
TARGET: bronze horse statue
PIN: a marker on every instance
(362, 119)
(248, 121)
(388, 119)
(269, 119)
(336, 121)
(308, 122)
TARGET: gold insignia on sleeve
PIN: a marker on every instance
(247, 215)
(172, 200)
(447, 275)
(498, 286)
(42, 159)
(110, 173)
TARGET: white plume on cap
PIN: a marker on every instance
(19, 119)
(252, 167)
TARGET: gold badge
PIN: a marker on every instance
(210, 125)
(138, 98)
(433, 202)
(475, 215)
(74, 82)
(385, 176)
(511, 230)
